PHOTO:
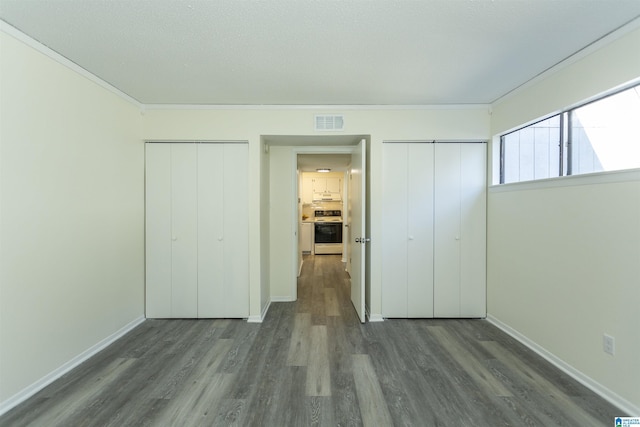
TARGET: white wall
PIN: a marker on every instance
(251, 124)
(281, 212)
(72, 215)
(564, 256)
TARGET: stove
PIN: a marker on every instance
(328, 232)
(328, 216)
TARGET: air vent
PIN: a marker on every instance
(329, 123)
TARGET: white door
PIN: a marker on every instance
(459, 270)
(407, 251)
(394, 232)
(184, 231)
(358, 228)
(420, 230)
(473, 211)
(211, 301)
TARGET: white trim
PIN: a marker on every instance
(572, 59)
(609, 177)
(50, 53)
(282, 299)
(607, 394)
(376, 318)
(29, 391)
(260, 318)
(287, 107)
(196, 141)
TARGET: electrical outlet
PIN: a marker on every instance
(609, 344)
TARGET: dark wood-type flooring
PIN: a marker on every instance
(312, 363)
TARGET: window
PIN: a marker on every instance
(603, 135)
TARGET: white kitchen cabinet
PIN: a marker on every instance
(326, 184)
(433, 239)
(306, 237)
(306, 192)
(318, 183)
(196, 230)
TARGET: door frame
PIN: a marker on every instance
(298, 149)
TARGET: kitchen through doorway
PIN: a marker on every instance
(323, 217)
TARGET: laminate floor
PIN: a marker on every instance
(312, 363)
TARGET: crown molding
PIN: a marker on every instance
(334, 107)
(50, 53)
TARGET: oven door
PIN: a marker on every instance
(328, 232)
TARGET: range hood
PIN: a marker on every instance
(326, 197)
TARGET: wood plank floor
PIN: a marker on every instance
(312, 363)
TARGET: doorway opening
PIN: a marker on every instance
(287, 208)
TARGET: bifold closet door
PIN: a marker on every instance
(420, 218)
(197, 237)
(459, 267)
(394, 230)
(171, 231)
(223, 239)
(184, 231)
(407, 269)
(210, 230)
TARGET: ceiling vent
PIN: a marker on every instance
(329, 123)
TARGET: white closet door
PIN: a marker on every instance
(184, 249)
(447, 237)
(473, 229)
(394, 230)
(419, 212)
(211, 301)
(158, 230)
(236, 230)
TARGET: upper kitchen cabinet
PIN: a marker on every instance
(330, 184)
(321, 186)
(197, 230)
(434, 232)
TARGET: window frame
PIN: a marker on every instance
(566, 148)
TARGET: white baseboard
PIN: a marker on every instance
(29, 391)
(283, 299)
(372, 317)
(376, 318)
(612, 397)
(260, 318)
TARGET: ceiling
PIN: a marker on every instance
(284, 52)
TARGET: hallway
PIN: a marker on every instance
(312, 363)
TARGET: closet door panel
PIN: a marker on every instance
(420, 218)
(236, 230)
(473, 230)
(447, 230)
(394, 230)
(184, 202)
(210, 231)
(158, 230)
